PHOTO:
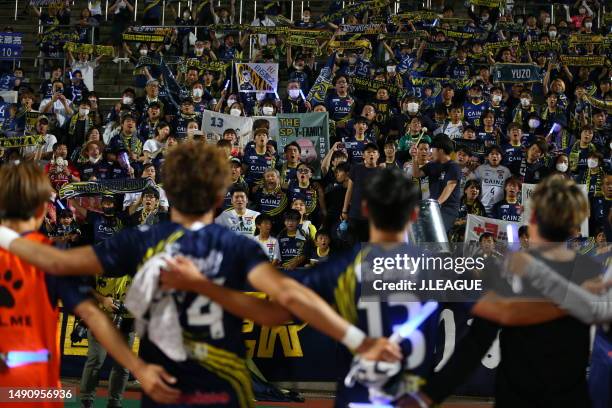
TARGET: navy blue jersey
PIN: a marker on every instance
(473, 112)
(354, 148)
(256, 164)
(339, 108)
(226, 258)
(338, 282)
(512, 157)
(271, 203)
(292, 246)
(103, 227)
(503, 210)
(308, 194)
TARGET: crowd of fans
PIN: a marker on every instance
(467, 140)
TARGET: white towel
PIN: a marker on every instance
(162, 325)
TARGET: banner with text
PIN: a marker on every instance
(503, 231)
(255, 77)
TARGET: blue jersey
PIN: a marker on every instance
(506, 211)
(338, 283)
(512, 157)
(256, 164)
(226, 258)
(354, 148)
(473, 112)
(103, 227)
(339, 108)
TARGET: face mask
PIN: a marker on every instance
(235, 112)
(413, 107)
(84, 112)
(199, 51)
(391, 69)
(592, 163)
(588, 25)
(294, 93)
(267, 110)
(552, 34)
(230, 102)
(485, 17)
(298, 67)
(108, 211)
(352, 60)
(497, 98)
(306, 19)
(186, 16)
(143, 52)
(547, 20)
(534, 123)
(260, 96)
(525, 102)
(476, 97)
(94, 160)
(562, 167)
(197, 92)
(582, 11)
(127, 100)
(519, 21)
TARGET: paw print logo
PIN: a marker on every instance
(7, 286)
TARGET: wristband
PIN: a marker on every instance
(353, 338)
(7, 236)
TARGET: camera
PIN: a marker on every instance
(79, 332)
(118, 314)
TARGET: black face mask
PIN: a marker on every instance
(108, 211)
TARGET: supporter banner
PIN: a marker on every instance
(541, 46)
(148, 62)
(58, 37)
(514, 73)
(415, 16)
(599, 103)
(119, 186)
(408, 35)
(460, 35)
(583, 60)
(488, 3)
(363, 28)
(310, 131)
(217, 66)
(31, 119)
(357, 8)
(318, 34)
(372, 85)
(41, 3)
(11, 45)
(510, 26)
(349, 45)
(607, 18)
(576, 39)
(607, 44)
(274, 30)
(228, 27)
(526, 193)
(254, 77)
(318, 91)
(21, 141)
(296, 352)
(440, 46)
(427, 81)
(503, 231)
(303, 41)
(215, 123)
(89, 49)
(146, 34)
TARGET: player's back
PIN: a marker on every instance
(339, 281)
(215, 372)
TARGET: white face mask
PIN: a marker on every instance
(588, 25)
(391, 69)
(267, 110)
(235, 112)
(497, 98)
(294, 93)
(127, 100)
(413, 107)
(198, 92)
(84, 112)
(519, 21)
(352, 60)
(199, 51)
(143, 52)
(592, 163)
(562, 167)
(582, 11)
(534, 123)
(306, 19)
(260, 96)
(552, 34)
(525, 102)
(485, 17)
(186, 16)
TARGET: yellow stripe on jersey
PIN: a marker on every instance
(159, 247)
(344, 293)
(227, 366)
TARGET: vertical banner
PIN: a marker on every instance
(527, 192)
(317, 92)
(310, 131)
(256, 77)
(30, 122)
(11, 45)
(503, 231)
(215, 123)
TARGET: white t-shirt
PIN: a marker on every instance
(58, 110)
(241, 224)
(423, 182)
(87, 69)
(270, 247)
(50, 140)
(153, 147)
(131, 198)
(492, 180)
